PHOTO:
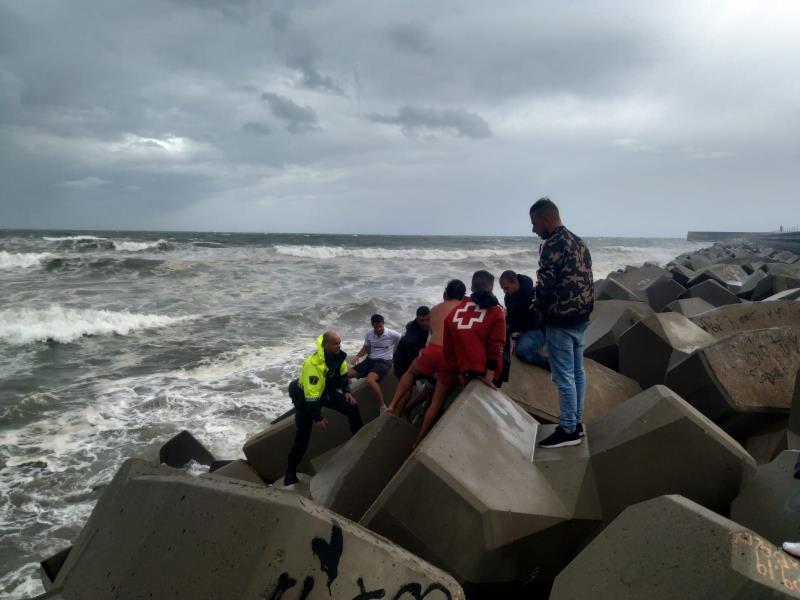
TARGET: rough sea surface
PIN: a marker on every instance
(112, 342)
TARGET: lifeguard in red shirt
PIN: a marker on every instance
(474, 334)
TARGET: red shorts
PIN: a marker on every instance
(430, 359)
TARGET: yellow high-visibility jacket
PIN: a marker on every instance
(314, 376)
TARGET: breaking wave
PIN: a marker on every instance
(23, 260)
(377, 253)
(141, 246)
(19, 326)
(91, 242)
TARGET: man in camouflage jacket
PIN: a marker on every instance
(564, 299)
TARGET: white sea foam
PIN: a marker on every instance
(72, 238)
(23, 260)
(110, 243)
(139, 246)
(20, 326)
(378, 253)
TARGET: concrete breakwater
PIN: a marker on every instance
(781, 240)
(693, 411)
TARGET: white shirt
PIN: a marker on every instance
(381, 347)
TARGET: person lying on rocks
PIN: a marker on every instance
(474, 334)
(431, 357)
(323, 383)
(379, 347)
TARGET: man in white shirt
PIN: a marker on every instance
(379, 346)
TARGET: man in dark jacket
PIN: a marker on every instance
(522, 322)
(413, 340)
(564, 300)
(323, 383)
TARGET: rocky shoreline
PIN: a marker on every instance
(683, 486)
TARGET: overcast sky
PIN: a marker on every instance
(451, 117)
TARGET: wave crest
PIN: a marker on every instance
(19, 326)
(23, 260)
(378, 253)
(84, 243)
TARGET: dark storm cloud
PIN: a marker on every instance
(150, 113)
(256, 128)
(311, 78)
(414, 38)
(416, 120)
(298, 118)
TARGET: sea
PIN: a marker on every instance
(111, 342)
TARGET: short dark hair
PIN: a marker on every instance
(482, 280)
(509, 276)
(376, 318)
(545, 205)
(455, 290)
(423, 311)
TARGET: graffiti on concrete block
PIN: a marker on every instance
(329, 552)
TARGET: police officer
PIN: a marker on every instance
(323, 383)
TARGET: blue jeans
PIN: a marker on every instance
(529, 345)
(565, 346)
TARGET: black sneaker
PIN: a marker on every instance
(560, 438)
(290, 479)
(580, 430)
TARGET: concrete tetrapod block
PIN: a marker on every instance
(743, 381)
(649, 348)
(183, 448)
(471, 500)
(712, 292)
(681, 274)
(749, 284)
(773, 284)
(770, 502)
(734, 318)
(793, 426)
(689, 307)
(669, 548)
(301, 488)
(725, 274)
(609, 289)
(696, 262)
(268, 451)
(792, 294)
(107, 503)
(533, 388)
(351, 480)
(661, 292)
(50, 567)
(769, 441)
(239, 470)
(656, 443)
(607, 322)
(637, 278)
(776, 268)
(181, 537)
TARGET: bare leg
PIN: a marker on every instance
(372, 383)
(432, 414)
(403, 391)
(420, 398)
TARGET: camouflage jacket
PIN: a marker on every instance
(564, 286)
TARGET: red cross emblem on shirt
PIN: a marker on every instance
(466, 316)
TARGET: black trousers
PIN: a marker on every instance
(303, 420)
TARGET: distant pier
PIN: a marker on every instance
(787, 240)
